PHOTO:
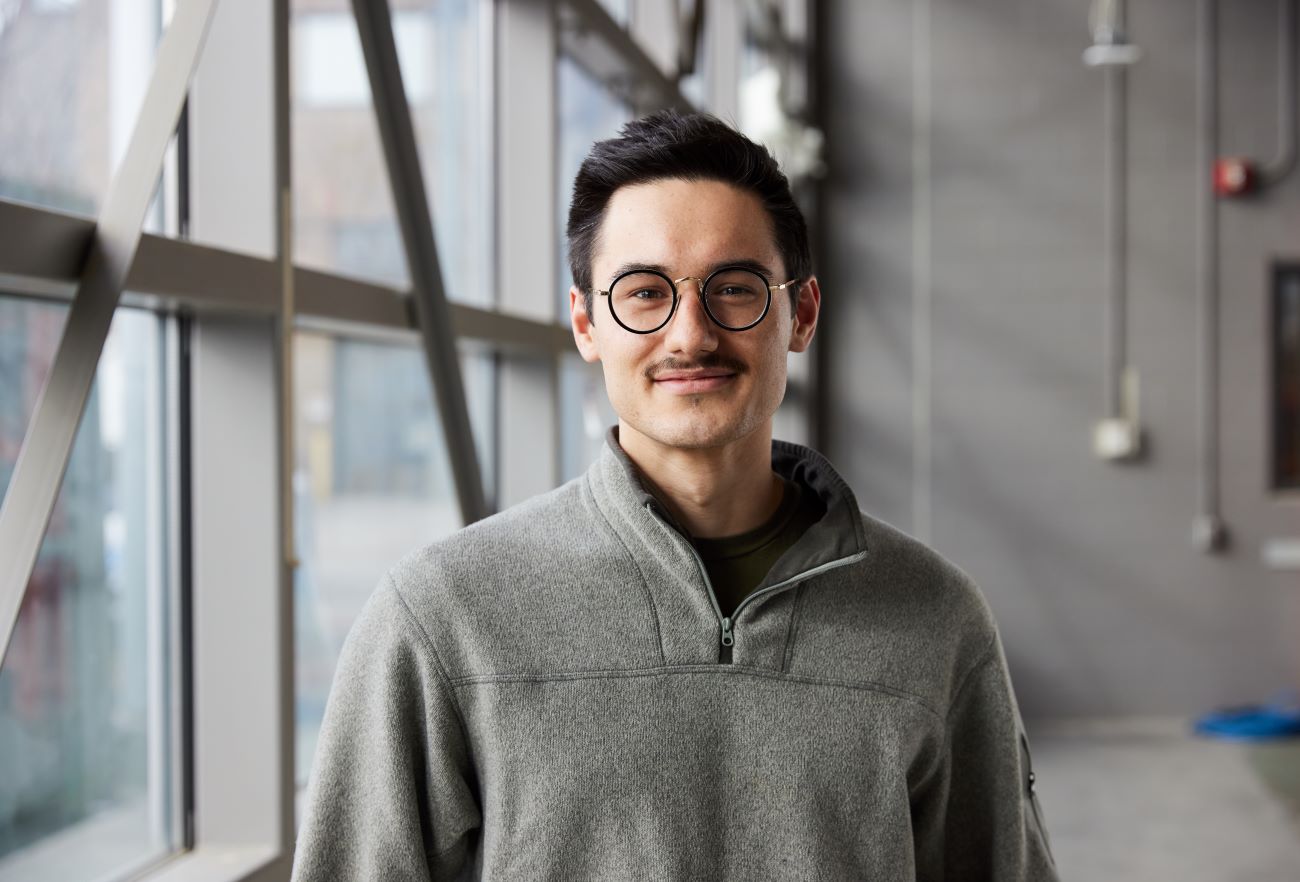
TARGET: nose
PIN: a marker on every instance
(690, 329)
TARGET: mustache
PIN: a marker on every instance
(715, 362)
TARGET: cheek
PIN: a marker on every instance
(770, 356)
(771, 370)
(624, 367)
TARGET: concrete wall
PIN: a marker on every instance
(1104, 605)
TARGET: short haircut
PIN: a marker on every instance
(693, 147)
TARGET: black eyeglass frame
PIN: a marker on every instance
(704, 283)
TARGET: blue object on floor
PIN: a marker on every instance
(1280, 718)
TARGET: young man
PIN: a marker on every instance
(701, 659)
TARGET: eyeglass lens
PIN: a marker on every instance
(643, 301)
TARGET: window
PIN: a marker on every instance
(100, 772)
(588, 112)
(72, 75)
(372, 483)
(86, 716)
(343, 209)
(585, 414)
(29, 334)
(619, 10)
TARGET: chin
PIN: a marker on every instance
(693, 431)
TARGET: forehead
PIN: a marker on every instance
(685, 226)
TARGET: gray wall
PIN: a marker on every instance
(1105, 606)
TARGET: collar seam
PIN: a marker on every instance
(645, 583)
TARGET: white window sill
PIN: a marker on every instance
(232, 863)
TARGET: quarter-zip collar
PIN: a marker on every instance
(670, 564)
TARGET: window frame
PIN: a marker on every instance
(235, 743)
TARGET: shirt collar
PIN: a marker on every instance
(618, 488)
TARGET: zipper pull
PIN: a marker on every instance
(727, 639)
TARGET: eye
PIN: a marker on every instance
(735, 285)
(646, 294)
(734, 290)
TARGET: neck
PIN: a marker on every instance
(712, 491)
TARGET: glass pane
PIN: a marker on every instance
(72, 76)
(448, 78)
(790, 422)
(84, 716)
(478, 371)
(585, 414)
(373, 483)
(619, 10)
(588, 112)
(29, 335)
(343, 210)
(759, 87)
(342, 207)
(698, 84)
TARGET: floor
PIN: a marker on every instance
(1142, 800)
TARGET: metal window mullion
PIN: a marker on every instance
(47, 445)
(174, 273)
(428, 295)
(726, 36)
(286, 466)
(527, 239)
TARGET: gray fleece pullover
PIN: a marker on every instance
(551, 693)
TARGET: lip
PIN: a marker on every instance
(690, 384)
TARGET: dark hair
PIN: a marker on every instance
(693, 147)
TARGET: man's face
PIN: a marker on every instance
(689, 228)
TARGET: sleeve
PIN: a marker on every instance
(392, 790)
(976, 817)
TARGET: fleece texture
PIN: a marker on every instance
(552, 693)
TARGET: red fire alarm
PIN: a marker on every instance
(1234, 176)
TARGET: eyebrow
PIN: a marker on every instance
(742, 262)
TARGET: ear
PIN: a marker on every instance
(806, 310)
(583, 330)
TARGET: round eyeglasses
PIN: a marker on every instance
(735, 297)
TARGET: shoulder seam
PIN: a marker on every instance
(984, 657)
(438, 666)
(980, 661)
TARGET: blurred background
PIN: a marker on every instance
(1059, 248)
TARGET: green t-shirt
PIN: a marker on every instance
(736, 564)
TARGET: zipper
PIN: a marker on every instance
(728, 635)
(1032, 796)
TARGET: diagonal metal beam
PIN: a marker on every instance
(593, 39)
(47, 446)
(690, 30)
(429, 298)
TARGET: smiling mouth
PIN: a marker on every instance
(695, 383)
